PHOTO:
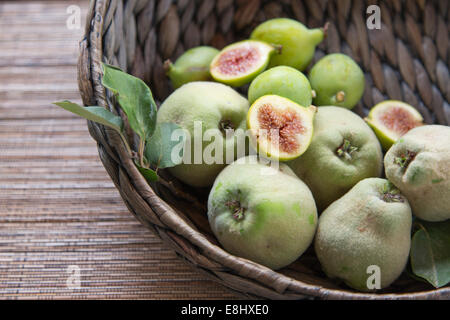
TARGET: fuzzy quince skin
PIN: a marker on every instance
(343, 151)
(419, 165)
(262, 213)
(370, 226)
(216, 107)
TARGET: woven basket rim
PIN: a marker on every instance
(89, 71)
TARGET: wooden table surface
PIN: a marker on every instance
(58, 207)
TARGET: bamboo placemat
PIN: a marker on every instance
(58, 207)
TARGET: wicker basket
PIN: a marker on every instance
(407, 59)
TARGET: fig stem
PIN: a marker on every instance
(325, 29)
(346, 150)
(167, 66)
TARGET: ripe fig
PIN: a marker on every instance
(283, 81)
(297, 42)
(240, 62)
(262, 213)
(193, 65)
(280, 128)
(391, 119)
(365, 235)
(337, 80)
(343, 151)
(214, 108)
(419, 165)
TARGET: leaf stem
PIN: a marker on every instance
(125, 143)
(141, 152)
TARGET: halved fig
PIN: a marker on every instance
(391, 119)
(280, 128)
(239, 63)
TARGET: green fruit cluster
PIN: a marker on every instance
(266, 211)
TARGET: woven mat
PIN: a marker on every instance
(58, 207)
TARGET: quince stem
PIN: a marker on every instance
(346, 150)
(405, 159)
(238, 211)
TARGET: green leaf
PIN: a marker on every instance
(149, 174)
(430, 252)
(135, 98)
(96, 114)
(158, 150)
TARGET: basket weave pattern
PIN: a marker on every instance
(407, 59)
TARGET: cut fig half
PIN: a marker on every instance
(280, 129)
(239, 63)
(392, 119)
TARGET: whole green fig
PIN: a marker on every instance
(297, 42)
(364, 238)
(193, 65)
(337, 80)
(419, 165)
(282, 81)
(343, 151)
(262, 213)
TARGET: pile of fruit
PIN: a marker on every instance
(332, 161)
(304, 154)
